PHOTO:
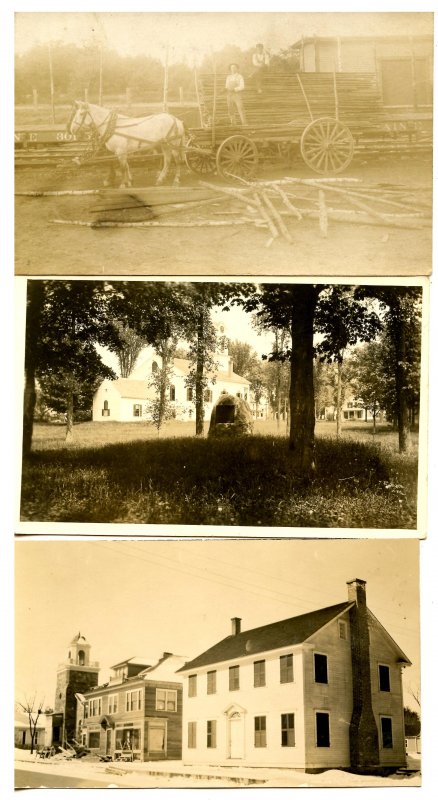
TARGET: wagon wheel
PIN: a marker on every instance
(237, 156)
(199, 159)
(327, 146)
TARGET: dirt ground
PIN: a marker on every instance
(43, 247)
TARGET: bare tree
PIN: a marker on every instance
(33, 711)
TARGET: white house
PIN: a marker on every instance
(127, 399)
(318, 691)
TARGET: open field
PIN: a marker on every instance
(124, 473)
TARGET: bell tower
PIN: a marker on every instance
(76, 674)
(222, 355)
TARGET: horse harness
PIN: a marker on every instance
(99, 139)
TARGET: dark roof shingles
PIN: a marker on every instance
(292, 631)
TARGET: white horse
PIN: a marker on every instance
(122, 135)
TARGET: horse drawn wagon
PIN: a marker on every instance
(321, 116)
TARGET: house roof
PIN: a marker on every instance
(292, 631)
(406, 38)
(135, 660)
(139, 390)
(136, 390)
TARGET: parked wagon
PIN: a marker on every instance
(320, 115)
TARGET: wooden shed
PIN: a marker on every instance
(403, 65)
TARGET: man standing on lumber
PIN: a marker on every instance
(234, 86)
(260, 62)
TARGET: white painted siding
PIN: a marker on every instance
(335, 697)
(389, 704)
(106, 392)
(270, 701)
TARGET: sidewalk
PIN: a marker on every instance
(177, 774)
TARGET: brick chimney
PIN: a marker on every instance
(364, 738)
(235, 625)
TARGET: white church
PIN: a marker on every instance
(128, 399)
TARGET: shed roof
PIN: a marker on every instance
(292, 631)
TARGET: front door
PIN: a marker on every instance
(108, 742)
(236, 736)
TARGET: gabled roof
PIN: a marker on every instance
(135, 390)
(134, 660)
(287, 632)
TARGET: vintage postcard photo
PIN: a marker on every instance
(171, 666)
(223, 143)
(239, 406)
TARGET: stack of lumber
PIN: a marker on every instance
(286, 98)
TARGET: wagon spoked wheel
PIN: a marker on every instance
(237, 157)
(199, 159)
(327, 146)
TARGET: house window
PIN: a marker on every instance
(165, 700)
(211, 682)
(105, 409)
(322, 729)
(133, 700)
(259, 731)
(113, 704)
(259, 673)
(288, 730)
(320, 664)
(191, 738)
(211, 733)
(136, 410)
(85, 710)
(96, 707)
(342, 626)
(93, 739)
(189, 393)
(287, 668)
(192, 685)
(172, 393)
(384, 680)
(208, 396)
(233, 678)
(386, 728)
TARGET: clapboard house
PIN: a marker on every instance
(137, 715)
(319, 691)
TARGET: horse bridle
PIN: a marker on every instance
(110, 121)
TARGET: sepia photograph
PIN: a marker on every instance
(223, 143)
(233, 404)
(170, 664)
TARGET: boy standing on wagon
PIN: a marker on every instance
(234, 86)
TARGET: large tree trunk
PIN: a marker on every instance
(35, 299)
(69, 418)
(199, 377)
(302, 407)
(401, 388)
(339, 401)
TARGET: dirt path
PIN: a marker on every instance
(46, 248)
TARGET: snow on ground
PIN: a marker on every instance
(140, 774)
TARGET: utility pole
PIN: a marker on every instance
(52, 87)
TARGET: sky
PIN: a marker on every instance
(191, 36)
(141, 598)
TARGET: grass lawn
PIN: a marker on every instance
(123, 472)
